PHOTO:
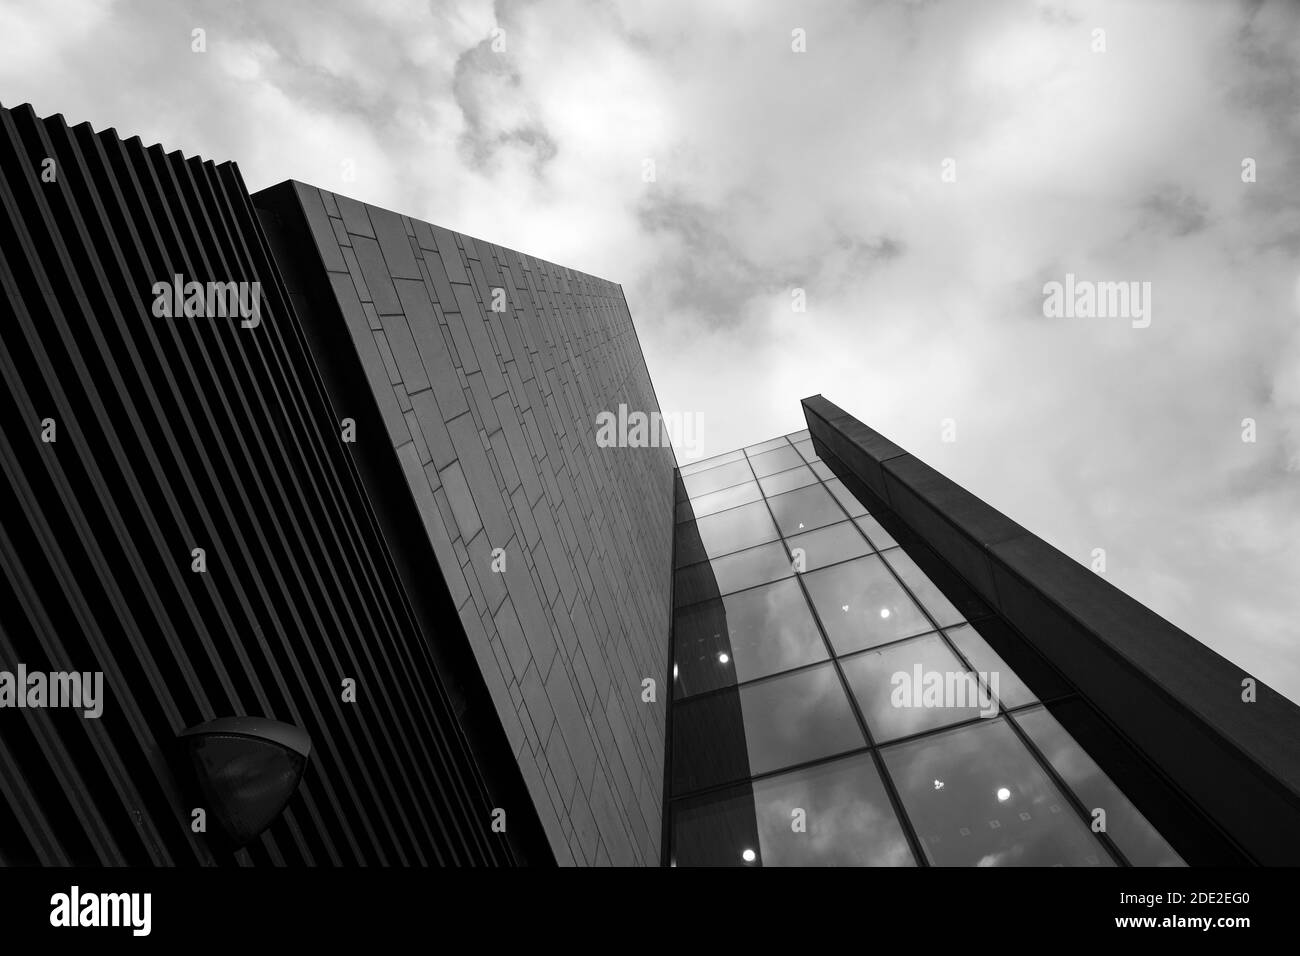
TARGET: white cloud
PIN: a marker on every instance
(821, 170)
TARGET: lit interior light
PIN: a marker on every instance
(674, 670)
(844, 608)
(938, 785)
(884, 612)
(1004, 794)
(749, 856)
(724, 657)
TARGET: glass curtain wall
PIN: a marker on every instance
(832, 707)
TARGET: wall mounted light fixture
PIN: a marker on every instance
(247, 768)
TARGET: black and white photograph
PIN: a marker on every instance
(648, 434)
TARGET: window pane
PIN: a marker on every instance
(798, 436)
(718, 501)
(770, 462)
(878, 535)
(822, 470)
(854, 507)
(926, 592)
(796, 718)
(805, 448)
(1009, 688)
(1125, 824)
(743, 636)
(715, 830)
(735, 529)
(848, 817)
(768, 445)
(977, 797)
(715, 479)
(861, 605)
(830, 545)
(707, 463)
(784, 481)
(709, 742)
(914, 686)
(732, 572)
(805, 509)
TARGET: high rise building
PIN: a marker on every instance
(475, 375)
(316, 489)
(874, 667)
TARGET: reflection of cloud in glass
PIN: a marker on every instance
(848, 818)
(784, 481)
(798, 717)
(858, 590)
(871, 676)
(777, 460)
(771, 630)
(721, 500)
(839, 542)
(715, 479)
(805, 509)
(747, 568)
(736, 529)
(964, 824)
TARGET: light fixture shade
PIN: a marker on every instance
(247, 768)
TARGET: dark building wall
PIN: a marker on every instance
(174, 434)
(485, 421)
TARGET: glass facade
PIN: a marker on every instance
(832, 707)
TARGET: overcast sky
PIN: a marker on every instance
(823, 170)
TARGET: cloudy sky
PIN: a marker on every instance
(824, 170)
